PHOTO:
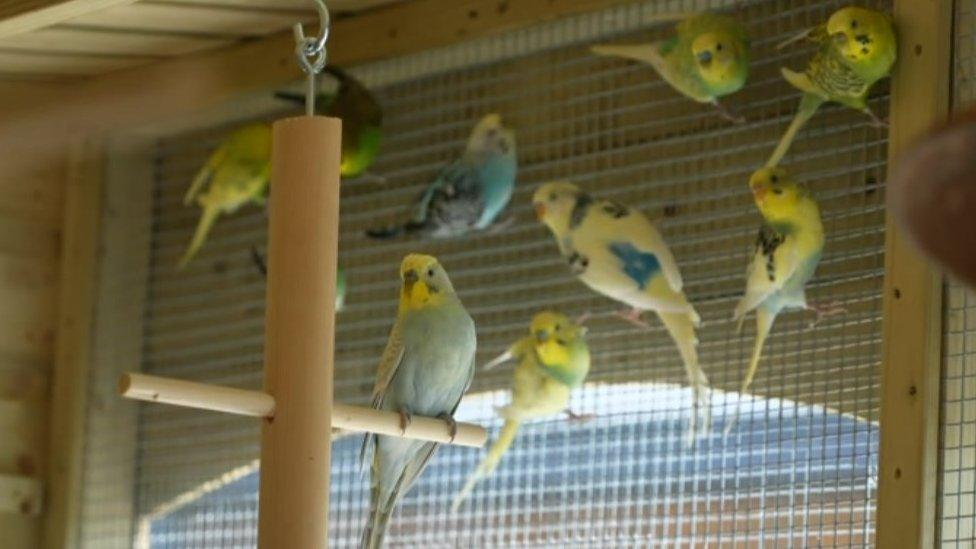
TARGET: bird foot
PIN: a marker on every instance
(573, 417)
(824, 311)
(581, 319)
(725, 113)
(877, 122)
(451, 424)
(634, 317)
(405, 418)
(259, 261)
(373, 177)
(501, 225)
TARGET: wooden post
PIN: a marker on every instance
(299, 332)
(913, 296)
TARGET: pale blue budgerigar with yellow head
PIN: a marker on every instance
(552, 361)
(618, 252)
(706, 59)
(468, 194)
(857, 47)
(425, 369)
(787, 252)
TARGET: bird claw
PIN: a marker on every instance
(452, 427)
(634, 317)
(501, 225)
(825, 311)
(727, 114)
(877, 122)
(405, 418)
(578, 418)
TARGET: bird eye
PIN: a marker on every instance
(774, 178)
(718, 46)
(777, 191)
(854, 23)
(552, 197)
(430, 273)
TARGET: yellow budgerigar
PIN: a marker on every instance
(237, 173)
(786, 255)
(706, 59)
(857, 47)
(619, 253)
(552, 361)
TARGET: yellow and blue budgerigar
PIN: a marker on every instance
(552, 360)
(706, 59)
(787, 252)
(619, 253)
(857, 48)
(425, 369)
(470, 193)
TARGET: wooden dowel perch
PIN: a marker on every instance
(257, 404)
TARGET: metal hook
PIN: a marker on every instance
(311, 53)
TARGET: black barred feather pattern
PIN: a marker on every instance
(835, 78)
(768, 241)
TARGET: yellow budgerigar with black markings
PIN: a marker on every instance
(857, 48)
(552, 360)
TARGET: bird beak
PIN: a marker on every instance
(409, 279)
(542, 336)
(540, 210)
(759, 193)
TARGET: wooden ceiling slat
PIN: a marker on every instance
(20, 16)
(64, 65)
(337, 6)
(82, 41)
(203, 20)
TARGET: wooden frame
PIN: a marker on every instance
(912, 357)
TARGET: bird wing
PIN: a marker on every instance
(205, 174)
(453, 200)
(389, 362)
(773, 263)
(644, 236)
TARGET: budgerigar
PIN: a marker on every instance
(425, 369)
(470, 192)
(787, 251)
(552, 361)
(707, 59)
(362, 120)
(618, 252)
(237, 173)
(857, 47)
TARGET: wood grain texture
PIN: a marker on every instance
(913, 296)
(79, 262)
(19, 16)
(121, 43)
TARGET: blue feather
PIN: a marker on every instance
(639, 266)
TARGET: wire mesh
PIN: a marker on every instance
(799, 470)
(957, 463)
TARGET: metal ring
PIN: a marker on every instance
(310, 47)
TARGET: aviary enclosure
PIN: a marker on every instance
(847, 436)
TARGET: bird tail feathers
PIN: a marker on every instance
(808, 107)
(645, 53)
(494, 457)
(394, 231)
(207, 220)
(764, 323)
(681, 327)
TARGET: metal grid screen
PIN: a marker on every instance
(800, 468)
(957, 464)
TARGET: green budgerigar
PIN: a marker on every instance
(706, 59)
(857, 47)
(237, 173)
(425, 369)
(552, 361)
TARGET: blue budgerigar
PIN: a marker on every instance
(468, 194)
(618, 252)
(425, 369)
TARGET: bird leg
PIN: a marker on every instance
(451, 423)
(581, 319)
(406, 416)
(634, 317)
(259, 261)
(824, 311)
(500, 226)
(727, 114)
(577, 418)
(876, 122)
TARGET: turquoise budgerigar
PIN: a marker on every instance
(425, 369)
(706, 59)
(552, 361)
(857, 47)
(618, 252)
(470, 193)
(787, 251)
